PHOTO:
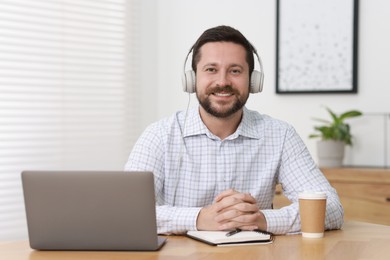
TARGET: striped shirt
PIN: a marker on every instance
(192, 166)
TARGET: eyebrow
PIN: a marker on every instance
(215, 64)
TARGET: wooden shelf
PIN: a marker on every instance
(364, 193)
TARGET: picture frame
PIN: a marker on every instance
(316, 46)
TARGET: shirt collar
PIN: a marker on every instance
(194, 124)
(249, 126)
(246, 128)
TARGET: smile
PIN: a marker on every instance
(223, 94)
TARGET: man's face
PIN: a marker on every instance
(222, 78)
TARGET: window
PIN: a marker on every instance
(66, 96)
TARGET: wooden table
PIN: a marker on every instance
(357, 240)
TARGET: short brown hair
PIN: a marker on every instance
(223, 33)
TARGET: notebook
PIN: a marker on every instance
(220, 238)
(85, 210)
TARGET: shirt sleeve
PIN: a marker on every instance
(148, 155)
(175, 220)
(298, 172)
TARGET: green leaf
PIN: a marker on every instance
(349, 114)
(333, 115)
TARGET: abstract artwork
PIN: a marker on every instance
(316, 46)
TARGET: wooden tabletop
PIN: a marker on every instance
(357, 240)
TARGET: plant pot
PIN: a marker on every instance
(330, 153)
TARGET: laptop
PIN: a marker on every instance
(86, 210)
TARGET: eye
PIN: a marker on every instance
(210, 69)
(236, 71)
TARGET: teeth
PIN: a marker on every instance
(223, 94)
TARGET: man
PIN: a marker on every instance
(216, 165)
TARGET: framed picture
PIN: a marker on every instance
(316, 46)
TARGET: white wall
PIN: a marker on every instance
(180, 22)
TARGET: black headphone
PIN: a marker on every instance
(256, 84)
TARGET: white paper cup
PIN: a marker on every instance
(312, 207)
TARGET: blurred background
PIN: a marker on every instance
(81, 79)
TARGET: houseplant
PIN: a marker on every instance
(334, 135)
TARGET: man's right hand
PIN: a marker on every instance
(206, 218)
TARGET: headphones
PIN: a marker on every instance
(256, 84)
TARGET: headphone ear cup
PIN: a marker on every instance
(189, 81)
(257, 79)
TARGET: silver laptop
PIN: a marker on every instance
(85, 210)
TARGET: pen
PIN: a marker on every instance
(231, 233)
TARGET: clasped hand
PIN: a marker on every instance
(231, 209)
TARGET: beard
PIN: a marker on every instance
(226, 110)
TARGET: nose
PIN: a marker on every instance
(223, 79)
